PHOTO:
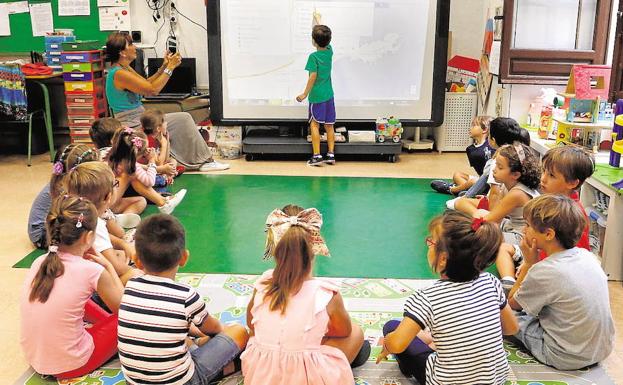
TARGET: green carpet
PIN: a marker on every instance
(374, 227)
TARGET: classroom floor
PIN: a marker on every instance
(22, 183)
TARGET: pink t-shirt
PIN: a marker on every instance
(53, 336)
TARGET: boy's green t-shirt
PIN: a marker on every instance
(321, 62)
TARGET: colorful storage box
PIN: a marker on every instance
(81, 57)
(82, 45)
(82, 67)
(96, 86)
(84, 99)
(81, 76)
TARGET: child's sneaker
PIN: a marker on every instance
(315, 160)
(442, 186)
(330, 159)
(179, 170)
(213, 166)
(172, 202)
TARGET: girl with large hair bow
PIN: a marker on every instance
(301, 332)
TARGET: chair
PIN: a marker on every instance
(15, 104)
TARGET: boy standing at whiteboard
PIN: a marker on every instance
(320, 92)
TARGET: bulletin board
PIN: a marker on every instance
(21, 39)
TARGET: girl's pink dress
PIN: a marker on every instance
(286, 349)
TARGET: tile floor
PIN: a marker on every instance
(22, 184)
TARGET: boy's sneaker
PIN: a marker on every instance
(172, 202)
(330, 159)
(316, 161)
(441, 186)
(214, 166)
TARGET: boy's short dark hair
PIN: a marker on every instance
(151, 120)
(557, 212)
(321, 35)
(506, 131)
(573, 162)
(160, 242)
(102, 131)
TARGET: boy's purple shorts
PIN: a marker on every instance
(323, 112)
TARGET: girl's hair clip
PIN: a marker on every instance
(477, 222)
(58, 168)
(79, 159)
(53, 249)
(80, 219)
(520, 152)
(128, 130)
(137, 142)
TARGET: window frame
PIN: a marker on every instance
(539, 66)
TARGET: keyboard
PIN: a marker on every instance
(168, 96)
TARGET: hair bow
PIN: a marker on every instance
(58, 168)
(128, 130)
(137, 142)
(477, 222)
(278, 222)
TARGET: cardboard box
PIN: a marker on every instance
(361, 136)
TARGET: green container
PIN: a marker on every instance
(82, 45)
(82, 67)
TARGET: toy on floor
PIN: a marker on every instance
(388, 128)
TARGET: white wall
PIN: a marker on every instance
(467, 24)
(192, 40)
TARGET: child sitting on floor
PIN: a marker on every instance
(518, 169)
(128, 146)
(566, 320)
(94, 181)
(101, 133)
(301, 332)
(564, 170)
(157, 313)
(71, 156)
(56, 295)
(465, 311)
(155, 127)
(478, 154)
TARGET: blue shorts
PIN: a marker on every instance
(323, 112)
(211, 358)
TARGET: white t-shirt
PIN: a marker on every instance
(491, 180)
(102, 238)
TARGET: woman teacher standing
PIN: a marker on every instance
(124, 90)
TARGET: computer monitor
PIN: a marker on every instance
(184, 79)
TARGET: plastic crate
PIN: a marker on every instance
(85, 99)
(81, 121)
(82, 67)
(54, 39)
(94, 86)
(53, 61)
(96, 108)
(81, 76)
(81, 57)
(82, 45)
(453, 134)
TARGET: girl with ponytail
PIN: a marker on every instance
(301, 332)
(71, 156)
(56, 296)
(465, 312)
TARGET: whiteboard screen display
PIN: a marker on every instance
(383, 61)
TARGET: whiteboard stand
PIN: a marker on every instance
(417, 143)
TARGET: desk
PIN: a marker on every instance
(612, 249)
(42, 81)
(197, 106)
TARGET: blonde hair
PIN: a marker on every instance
(559, 213)
(93, 181)
(294, 257)
(71, 156)
(63, 229)
(482, 121)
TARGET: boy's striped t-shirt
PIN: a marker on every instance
(464, 320)
(154, 318)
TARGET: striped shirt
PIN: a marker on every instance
(464, 320)
(154, 318)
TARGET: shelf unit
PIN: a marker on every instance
(83, 73)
